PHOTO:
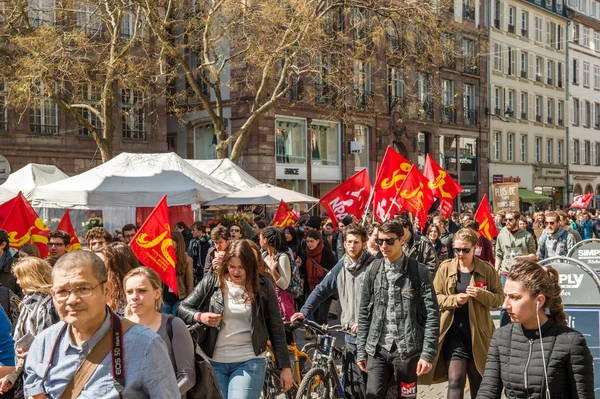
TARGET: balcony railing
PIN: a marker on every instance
(550, 120)
(538, 118)
(424, 109)
(524, 32)
(43, 129)
(524, 115)
(524, 74)
(561, 122)
(497, 23)
(325, 93)
(470, 68)
(511, 28)
(549, 81)
(469, 13)
(470, 117)
(560, 84)
(362, 99)
(538, 78)
(497, 111)
(448, 114)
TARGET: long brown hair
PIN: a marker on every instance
(540, 280)
(180, 254)
(242, 250)
(117, 266)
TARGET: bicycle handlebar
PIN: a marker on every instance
(326, 328)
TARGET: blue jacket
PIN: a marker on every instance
(587, 230)
(7, 345)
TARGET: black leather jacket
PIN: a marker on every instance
(266, 317)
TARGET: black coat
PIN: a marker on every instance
(267, 322)
(515, 364)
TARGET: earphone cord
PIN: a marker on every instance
(537, 313)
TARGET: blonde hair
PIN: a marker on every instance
(154, 280)
(468, 235)
(34, 274)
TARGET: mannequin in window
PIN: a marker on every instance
(316, 154)
(281, 137)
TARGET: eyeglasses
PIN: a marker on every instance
(388, 241)
(80, 292)
(234, 230)
(55, 244)
(550, 223)
(129, 235)
(509, 219)
(462, 250)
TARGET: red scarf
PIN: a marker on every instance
(314, 270)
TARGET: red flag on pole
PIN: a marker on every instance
(487, 227)
(23, 226)
(5, 209)
(581, 201)
(415, 195)
(392, 172)
(153, 245)
(349, 198)
(441, 184)
(284, 216)
(67, 226)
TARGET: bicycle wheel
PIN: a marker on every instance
(315, 385)
(272, 383)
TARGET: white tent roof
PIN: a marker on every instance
(133, 180)
(263, 194)
(226, 171)
(29, 177)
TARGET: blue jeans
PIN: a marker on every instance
(504, 317)
(170, 309)
(241, 380)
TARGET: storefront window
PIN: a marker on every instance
(290, 141)
(325, 144)
(361, 160)
(468, 171)
(295, 185)
(205, 142)
(448, 155)
(422, 149)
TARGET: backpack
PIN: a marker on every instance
(296, 287)
(563, 239)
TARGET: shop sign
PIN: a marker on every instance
(292, 171)
(505, 197)
(553, 172)
(498, 179)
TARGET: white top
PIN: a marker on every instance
(285, 270)
(234, 341)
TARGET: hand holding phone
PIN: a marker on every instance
(25, 342)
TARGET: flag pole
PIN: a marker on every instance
(371, 198)
(311, 208)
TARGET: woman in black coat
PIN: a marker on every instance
(537, 355)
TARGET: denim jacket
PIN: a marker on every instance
(418, 314)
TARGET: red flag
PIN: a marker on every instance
(581, 201)
(67, 226)
(392, 172)
(487, 227)
(284, 216)
(25, 226)
(441, 184)
(153, 245)
(5, 209)
(415, 195)
(349, 198)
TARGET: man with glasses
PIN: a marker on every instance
(398, 321)
(555, 240)
(512, 244)
(235, 231)
(129, 231)
(89, 329)
(58, 243)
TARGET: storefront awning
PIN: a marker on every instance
(530, 196)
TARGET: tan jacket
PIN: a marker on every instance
(480, 319)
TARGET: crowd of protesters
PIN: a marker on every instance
(416, 302)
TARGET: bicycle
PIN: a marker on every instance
(322, 381)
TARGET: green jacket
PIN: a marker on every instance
(522, 243)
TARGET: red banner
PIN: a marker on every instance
(284, 216)
(415, 195)
(23, 226)
(487, 227)
(349, 198)
(582, 201)
(392, 172)
(441, 184)
(153, 245)
(67, 226)
(5, 209)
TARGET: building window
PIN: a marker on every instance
(89, 18)
(550, 72)
(587, 148)
(498, 57)
(512, 62)
(523, 146)
(575, 111)
(575, 72)
(524, 57)
(538, 109)
(41, 12)
(561, 113)
(575, 33)
(550, 111)
(497, 145)
(43, 114)
(3, 110)
(576, 151)
(587, 113)
(498, 101)
(559, 72)
(586, 37)
(511, 102)
(132, 111)
(549, 151)
(290, 141)
(551, 33)
(361, 160)
(596, 77)
(561, 152)
(469, 9)
(448, 114)
(538, 150)
(325, 143)
(469, 101)
(524, 98)
(470, 56)
(538, 29)
(396, 84)
(511, 147)
(524, 23)
(362, 83)
(539, 69)
(90, 95)
(597, 115)
(597, 41)
(586, 73)
(596, 153)
(559, 36)
(497, 14)
(511, 19)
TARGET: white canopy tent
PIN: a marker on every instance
(226, 171)
(263, 194)
(133, 180)
(29, 177)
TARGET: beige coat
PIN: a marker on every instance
(480, 319)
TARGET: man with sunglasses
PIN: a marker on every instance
(512, 244)
(399, 320)
(555, 240)
(235, 231)
(88, 328)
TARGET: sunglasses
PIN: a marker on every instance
(388, 241)
(550, 223)
(462, 250)
(234, 230)
(509, 220)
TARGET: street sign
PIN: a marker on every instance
(4, 169)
